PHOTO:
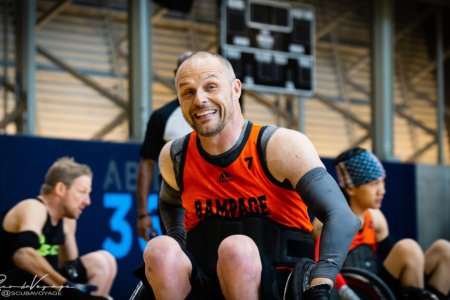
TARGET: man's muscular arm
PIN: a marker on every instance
(290, 155)
(30, 217)
(150, 149)
(172, 212)
(143, 183)
(322, 195)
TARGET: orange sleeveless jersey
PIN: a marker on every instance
(366, 235)
(238, 190)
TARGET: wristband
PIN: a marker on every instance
(142, 216)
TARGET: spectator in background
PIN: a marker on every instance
(37, 238)
(401, 264)
(165, 124)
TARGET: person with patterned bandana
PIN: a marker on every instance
(235, 199)
(38, 245)
(402, 265)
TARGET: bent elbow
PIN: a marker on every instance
(347, 219)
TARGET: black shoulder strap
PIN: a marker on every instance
(178, 156)
(264, 136)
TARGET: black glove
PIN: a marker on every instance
(74, 271)
(317, 292)
(77, 291)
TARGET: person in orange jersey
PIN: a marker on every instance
(234, 200)
(401, 264)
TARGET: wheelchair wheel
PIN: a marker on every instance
(141, 292)
(366, 285)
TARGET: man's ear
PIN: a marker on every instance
(60, 188)
(237, 88)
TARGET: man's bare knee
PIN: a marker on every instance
(159, 249)
(239, 252)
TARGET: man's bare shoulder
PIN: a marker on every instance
(290, 154)
(29, 205)
(288, 137)
(28, 214)
(165, 152)
(166, 165)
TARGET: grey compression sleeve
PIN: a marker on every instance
(323, 197)
(172, 213)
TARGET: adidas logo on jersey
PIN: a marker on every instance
(224, 177)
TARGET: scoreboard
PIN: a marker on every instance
(270, 44)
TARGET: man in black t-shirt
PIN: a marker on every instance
(165, 124)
